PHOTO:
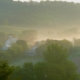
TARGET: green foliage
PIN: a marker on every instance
(12, 52)
(59, 67)
(66, 71)
(40, 70)
(55, 54)
(41, 49)
(56, 66)
(23, 44)
(5, 55)
(19, 48)
(39, 14)
(16, 50)
(28, 71)
(64, 43)
(23, 73)
(74, 50)
(17, 73)
(5, 70)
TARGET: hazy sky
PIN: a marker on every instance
(76, 1)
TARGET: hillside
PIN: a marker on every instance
(49, 14)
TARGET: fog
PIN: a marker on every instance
(75, 1)
(40, 41)
(53, 33)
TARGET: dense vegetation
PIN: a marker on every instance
(17, 50)
(54, 14)
(56, 54)
(27, 40)
(5, 70)
(24, 34)
(55, 67)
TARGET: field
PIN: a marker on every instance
(11, 29)
(76, 59)
(33, 59)
(17, 30)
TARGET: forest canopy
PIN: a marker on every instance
(39, 14)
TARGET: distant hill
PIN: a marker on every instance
(54, 14)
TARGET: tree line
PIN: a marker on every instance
(34, 14)
(55, 66)
(27, 39)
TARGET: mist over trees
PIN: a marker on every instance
(5, 70)
(54, 14)
(56, 66)
(29, 35)
(31, 22)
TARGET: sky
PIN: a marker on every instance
(75, 1)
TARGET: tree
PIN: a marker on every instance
(17, 73)
(5, 70)
(28, 71)
(59, 67)
(13, 52)
(56, 66)
(40, 71)
(16, 51)
(41, 49)
(64, 43)
(55, 54)
(5, 55)
(23, 43)
(18, 48)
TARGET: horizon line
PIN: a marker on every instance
(46, 0)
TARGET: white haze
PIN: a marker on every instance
(75, 1)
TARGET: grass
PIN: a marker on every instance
(33, 59)
(11, 29)
(74, 55)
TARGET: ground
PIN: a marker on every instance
(32, 59)
(35, 59)
(76, 60)
(17, 30)
(11, 29)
